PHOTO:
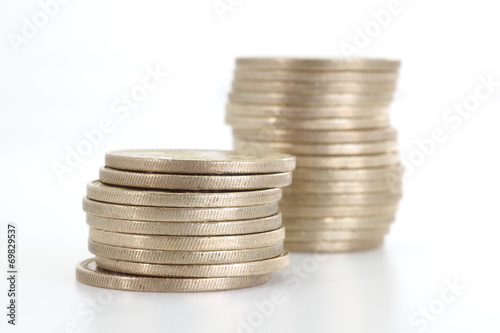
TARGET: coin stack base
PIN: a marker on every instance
(185, 221)
(333, 115)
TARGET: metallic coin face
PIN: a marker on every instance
(258, 267)
(98, 191)
(188, 243)
(185, 257)
(323, 64)
(88, 273)
(238, 227)
(244, 73)
(199, 162)
(334, 246)
(195, 182)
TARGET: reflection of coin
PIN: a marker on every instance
(184, 257)
(314, 76)
(194, 182)
(172, 214)
(343, 199)
(188, 243)
(391, 173)
(198, 162)
(320, 64)
(87, 272)
(336, 211)
(334, 246)
(186, 228)
(334, 235)
(362, 222)
(131, 196)
(348, 162)
(259, 267)
(382, 186)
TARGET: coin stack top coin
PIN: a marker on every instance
(183, 221)
(333, 115)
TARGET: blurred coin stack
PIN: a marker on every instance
(183, 221)
(333, 115)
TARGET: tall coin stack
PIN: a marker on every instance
(333, 115)
(184, 221)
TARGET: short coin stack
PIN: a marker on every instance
(184, 221)
(332, 114)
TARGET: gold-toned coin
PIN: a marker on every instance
(194, 182)
(348, 162)
(335, 235)
(313, 87)
(259, 267)
(199, 162)
(312, 112)
(184, 257)
(319, 148)
(351, 199)
(379, 186)
(314, 76)
(378, 121)
(88, 273)
(98, 191)
(363, 222)
(172, 214)
(188, 243)
(323, 64)
(334, 246)
(336, 211)
(186, 228)
(389, 173)
(311, 99)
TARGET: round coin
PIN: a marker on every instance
(348, 162)
(201, 162)
(334, 246)
(188, 243)
(99, 191)
(194, 182)
(380, 186)
(336, 211)
(335, 235)
(332, 64)
(184, 257)
(362, 222)
(390, 173)
(312, 199)
(315, 76)
(259, 267)
(186, 228)
(88, 273)
(172, 214)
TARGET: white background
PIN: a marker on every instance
(65, 79)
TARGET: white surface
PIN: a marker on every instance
(66, 78)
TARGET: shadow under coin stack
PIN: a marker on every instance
(185, 221)
(333, 115)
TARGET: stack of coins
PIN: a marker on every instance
(332, 114)
(183, 221)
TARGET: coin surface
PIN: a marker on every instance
(98, 191)
(334, 235)
(314, 76)
(199, 162)
(380, 186)
(194, 182)
(320, 148)
(184, 257)
(389, 173)
(188, 243)
(172, 214)
(343, 199)
(378, 121)
(186, 228)
(348, 162)
(259, 267)
(334, 246)
(338, 64)
(88, 273)
(336, 211)
(363, 222)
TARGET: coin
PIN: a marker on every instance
(378, 121)
(184, 257)
(334, 235)
(259, 267)
(194, 182)
(319, 148)
(315, 76)
(99, 191)
(334, 246)
(311, 99)
(348, 162)
(336, 211)
(388, 173)
(199, 162)
(313, 199)
(380, 186)
(172, 214)
(362, 222)
(313, 87)
(88, 273)
(298, 111)
(186, 228)
(339, 64)
(188, 243)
